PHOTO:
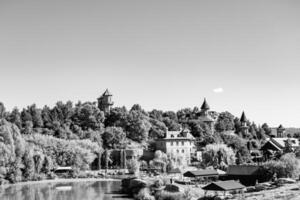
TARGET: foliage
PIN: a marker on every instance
(288, 146)
(218, 155)
(225, 122)
(77, 153)
(70, 134)
(239, 146)
(144, 194)
(286, 166)
(133, 166)
(159, 161)
(113, 137)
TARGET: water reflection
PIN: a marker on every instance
(91, 190)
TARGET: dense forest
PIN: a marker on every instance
(35, 140)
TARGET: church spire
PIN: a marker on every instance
(205, 105)
(243, 118)
(244, 127)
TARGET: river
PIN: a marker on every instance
(70, 190)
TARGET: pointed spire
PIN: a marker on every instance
(243, 117)
(106, 93)
(205, 105)
(280, 126)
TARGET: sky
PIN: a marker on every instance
(168, 55)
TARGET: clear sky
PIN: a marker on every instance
(240, 55)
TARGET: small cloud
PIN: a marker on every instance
(218, 90)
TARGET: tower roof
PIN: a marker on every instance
(243, 117)
(205, 105)
(280, 126)
(106, 93)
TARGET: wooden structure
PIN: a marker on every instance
(224, 186)
(246, 174)
(201, 173)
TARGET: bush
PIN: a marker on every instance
(286, 167)
(133, 166)
(144, 194)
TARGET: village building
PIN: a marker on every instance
(179, 144)
(244, 126)
(105, 101)
(277, 142)
(278, 132)
(207, 116)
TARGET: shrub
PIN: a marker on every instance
(144, 194)
(133, 166)
(286, 166)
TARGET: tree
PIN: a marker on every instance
(286, 166)
(266, 129)
(2, 110)
(196, 128)
(138, 126)
(36, 116)
(88, 116)
(225, 122)
(28, 127)
(29, 171)
(156, 114)
(288, 146)
(113, 137)
(15, 117)
(157, 130)
(47, 165)
(184, 115)
(218, 155)
(133, 166)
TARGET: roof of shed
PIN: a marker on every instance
(205, 172)
(224, 186)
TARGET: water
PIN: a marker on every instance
(83, 190)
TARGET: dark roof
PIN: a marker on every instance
(224, 186)
(280, 126)
(205, 105)
(106, 93)
(205, 172)
(243, 117)
(271, 145)
(175, 171)
(244, 170)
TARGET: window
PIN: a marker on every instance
(172, 136)
(171, 143)
(182, 142)
(177, 143)
(182, 151)
(177, 150)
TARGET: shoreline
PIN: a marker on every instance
(59, 180)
